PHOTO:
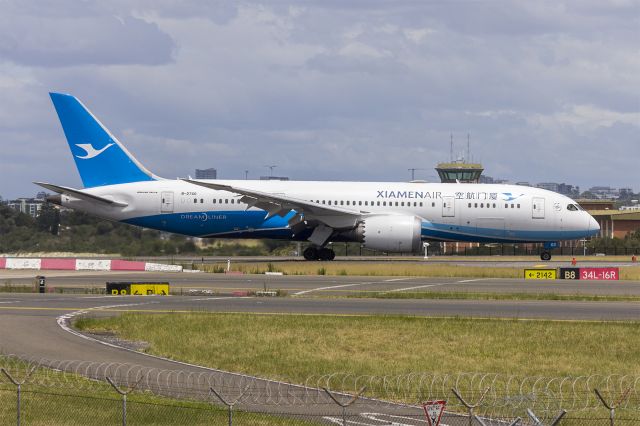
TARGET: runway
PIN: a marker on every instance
(36, 325)
(323, 285)
(31, 318)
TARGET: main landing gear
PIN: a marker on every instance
(318, 253)
(545, 255)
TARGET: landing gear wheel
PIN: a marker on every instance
(310, 253)
(545, 255)
(326, 254)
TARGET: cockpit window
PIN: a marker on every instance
(572, 207)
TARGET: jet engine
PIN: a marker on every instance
(392, 233)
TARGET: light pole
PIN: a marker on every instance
(271, 169)
(426, 250)
(246, 174)
(584, 246)
(413, 172)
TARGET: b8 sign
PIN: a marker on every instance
(569, 273)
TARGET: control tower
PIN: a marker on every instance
(459, 171)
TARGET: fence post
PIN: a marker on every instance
(537, 422)
(18, 386)
(612, 407)
(229, 404)
(469, 406)
(344, 406)
(124, 397)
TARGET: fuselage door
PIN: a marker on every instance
(537, 207)
(167, 202)
(448, 207)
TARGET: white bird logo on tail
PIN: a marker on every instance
(90, 150)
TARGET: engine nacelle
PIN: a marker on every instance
(392, 233)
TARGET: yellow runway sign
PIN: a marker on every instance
(540, 274)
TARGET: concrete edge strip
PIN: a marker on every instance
(70, 264)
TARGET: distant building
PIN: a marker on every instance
(523, 184)
(30, 206)
(560, 188)
(605, 192)
(274, 178)
(206, 173)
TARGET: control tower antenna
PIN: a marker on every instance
(451, 149)
(468, 150)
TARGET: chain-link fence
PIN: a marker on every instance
(73, 392)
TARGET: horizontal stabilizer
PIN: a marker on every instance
(76, 193)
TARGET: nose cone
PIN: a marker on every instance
(594, 227)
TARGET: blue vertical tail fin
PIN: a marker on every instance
(100, 158)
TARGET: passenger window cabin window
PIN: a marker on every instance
(481, 205)
(433, 204)
(378, 204)
(341, 203)
(506, 206)
(420, 203)
(359, 203)
(518, 205)
(475, 205)
(366, 203)
(513, 205)
(494, 205)
(402, 204)
(195, 200)
(396, 204)
(233, 201)
(469, 205)
(329, 202)
(214, 201)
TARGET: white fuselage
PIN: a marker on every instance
(449, 212)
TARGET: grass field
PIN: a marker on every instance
(295, 347)
(382, 268)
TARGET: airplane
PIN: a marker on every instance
(384, 216)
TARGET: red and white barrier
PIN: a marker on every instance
(66, 264)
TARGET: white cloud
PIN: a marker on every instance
(347, 90)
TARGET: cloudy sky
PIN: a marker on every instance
(333, 89)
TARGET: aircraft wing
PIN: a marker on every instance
(76, 193)
(283, 203)
(328, 218)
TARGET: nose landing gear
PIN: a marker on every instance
(318, 253)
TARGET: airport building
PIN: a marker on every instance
(274, 178)
(206, 173)
(613, 223)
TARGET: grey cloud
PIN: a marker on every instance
(85, 40)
